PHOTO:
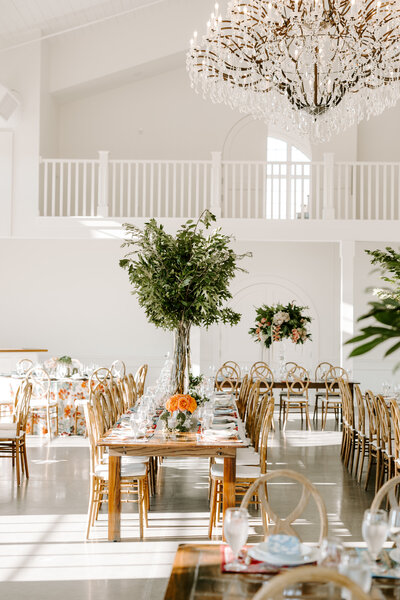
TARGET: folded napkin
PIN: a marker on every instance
(225, 434)
(223, 426)
(224, 419)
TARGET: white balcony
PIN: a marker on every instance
(325, 190)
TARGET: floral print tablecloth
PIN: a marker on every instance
(70, 395)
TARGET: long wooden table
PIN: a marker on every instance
(196, 574)
(187, 445)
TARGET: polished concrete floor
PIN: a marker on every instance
(43, 553)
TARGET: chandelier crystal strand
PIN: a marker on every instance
(319, 66)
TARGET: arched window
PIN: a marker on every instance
(288, 180)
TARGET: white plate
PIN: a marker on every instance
(394, 554)
(309, 555)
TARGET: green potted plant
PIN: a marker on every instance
(182, 280)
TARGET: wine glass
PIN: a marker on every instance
(394, 526)
(236, 530)
(356, 567)
(331, 551)
(374, 531)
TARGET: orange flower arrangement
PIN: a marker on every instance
(181, 402)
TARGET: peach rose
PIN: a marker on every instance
(172, 403)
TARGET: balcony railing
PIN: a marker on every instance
(231, 189)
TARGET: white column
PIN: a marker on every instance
(6, 182)
(102, 205)
(328, 211)
(216, 183)
(347, 253)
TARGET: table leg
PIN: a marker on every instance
(114, 499)
(229, 482)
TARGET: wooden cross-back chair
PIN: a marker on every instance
(395, 411)
(227, 379)
(100, 379)
(42, 400)
(24, 365)
(332, 398)
(232, 363)
(245, 474)
(260, 370)
(362, 437)
(275, 587)
(349, 433)
(140, 379)
(374, 455)
(321, 371)
(243, 396)
(390, 490)
(131, 391)
(118, 369)
(387, 468)
(133, 482)
(13, 435)
(251, 411)
(274, 524)
(295, 395)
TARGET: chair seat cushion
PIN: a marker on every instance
(128, 460)
(127, 470)
(7, 429)
(242, 472)
(244, 456)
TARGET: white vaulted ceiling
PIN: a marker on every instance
(25, 20)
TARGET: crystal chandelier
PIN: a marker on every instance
(319, 66)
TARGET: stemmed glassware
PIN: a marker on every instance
(394, 528)
(236, 531)
(374, 531)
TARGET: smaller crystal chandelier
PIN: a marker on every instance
(316, 65)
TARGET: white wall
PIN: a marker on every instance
(72, 298)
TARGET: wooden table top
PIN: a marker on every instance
(7, 350)
(196, 574)
(157, 445)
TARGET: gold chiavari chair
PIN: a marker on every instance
(140, 379)
(296, 394)
(273, 523)
(133, 481)
(321, 371)
(227, 379)
(42, 400)
(260, 370)
(275, 587)
(374, 455)
(245, 474)
(12, 435)
(395, 412)
(362, 437)
(333, 398)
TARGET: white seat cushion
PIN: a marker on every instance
(8, 430)
(242, 472)
(127, 470)
(244, 456)
(129, 459)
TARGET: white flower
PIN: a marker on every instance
(280, 317)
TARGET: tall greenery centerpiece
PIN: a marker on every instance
(385, 310)
(182, 280)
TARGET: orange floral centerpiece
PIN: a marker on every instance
(178, 413)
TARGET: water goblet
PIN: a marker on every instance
(236, 531)
(356, 568)
(135, 425)
(394, 526)
(374, 531)
(331, 551)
